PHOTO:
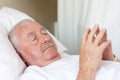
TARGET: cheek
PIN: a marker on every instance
(32, 54)
(53, 42)
(33, 50)
(28, 51)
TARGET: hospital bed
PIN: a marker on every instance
(11, 65)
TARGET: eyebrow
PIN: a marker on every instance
(31, 33)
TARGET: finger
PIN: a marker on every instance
(104, 45)
(99, 37)
(105, 36)
(85, 34)
(92, 34)
(98, 30)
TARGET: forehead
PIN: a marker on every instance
(31, 25)
(28, 27)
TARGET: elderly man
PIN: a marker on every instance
(39, 52)
(33, 43)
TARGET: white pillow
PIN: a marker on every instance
(11, 65)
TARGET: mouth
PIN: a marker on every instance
(49, 51)
(46, 46)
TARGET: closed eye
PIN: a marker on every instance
(32, 36)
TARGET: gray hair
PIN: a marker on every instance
(12, 35)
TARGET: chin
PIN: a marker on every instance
(54, 56)
(49, 61)
(51, 53)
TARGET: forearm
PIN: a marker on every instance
(86, 74)
(91, 52)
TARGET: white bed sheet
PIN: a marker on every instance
(67, 69)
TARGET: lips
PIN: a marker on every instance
(46, 45)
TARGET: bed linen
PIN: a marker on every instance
(67, 69)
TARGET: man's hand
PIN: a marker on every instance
(108, 53)
(91, 52)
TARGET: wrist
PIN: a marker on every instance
(86, 74)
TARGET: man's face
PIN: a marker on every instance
(38, 48)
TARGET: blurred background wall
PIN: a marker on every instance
(43, 11)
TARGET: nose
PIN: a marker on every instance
(44, 38)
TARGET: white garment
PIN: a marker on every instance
(67, 69)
